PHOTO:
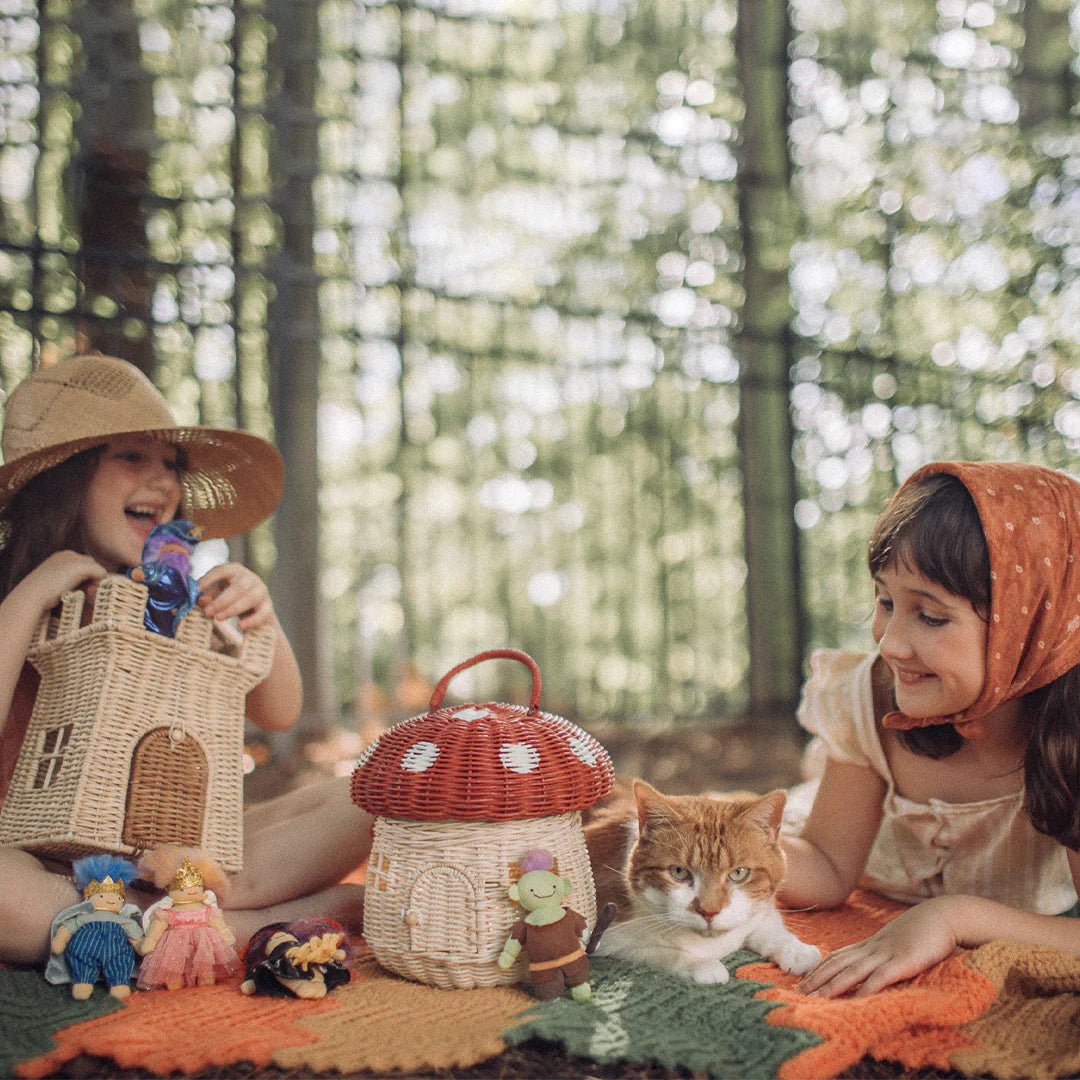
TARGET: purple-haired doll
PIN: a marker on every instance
(303, 959)
(166, 571)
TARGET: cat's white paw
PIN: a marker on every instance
(714, 974)
(798, 958)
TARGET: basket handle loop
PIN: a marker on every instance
(491, 654)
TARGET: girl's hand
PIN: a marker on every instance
(234, 590)
(919, 938)
(61, 572)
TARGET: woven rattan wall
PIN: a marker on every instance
(437, 906)
(135, 739)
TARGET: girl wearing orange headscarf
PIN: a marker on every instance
(951, 777)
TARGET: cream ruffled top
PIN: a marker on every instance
(987, 848)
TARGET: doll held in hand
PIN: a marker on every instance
(96, 938)
(165, 570)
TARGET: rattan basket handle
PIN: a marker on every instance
(491, 654)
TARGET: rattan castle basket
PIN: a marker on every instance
(135, 739)
(459, 795)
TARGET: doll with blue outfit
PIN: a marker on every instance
(95, 938)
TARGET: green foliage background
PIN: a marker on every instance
(526, 251)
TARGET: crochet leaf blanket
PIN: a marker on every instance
(1002, 1010)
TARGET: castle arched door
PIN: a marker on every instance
(166, 797)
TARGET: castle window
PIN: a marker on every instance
(379, 873)
(54, 744)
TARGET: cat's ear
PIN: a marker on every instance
(768, 812)
(652, 807)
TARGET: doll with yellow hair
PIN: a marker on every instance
(186, 942)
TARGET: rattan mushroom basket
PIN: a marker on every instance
(459, 795)
(135, 739)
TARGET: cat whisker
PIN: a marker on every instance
(659, 924)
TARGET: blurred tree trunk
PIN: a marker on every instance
(1045, 83)
(115, 133)
(294, 335)
(765, 428)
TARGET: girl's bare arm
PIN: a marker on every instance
(827, 860)
(233, 591)
(22, 608)
(931, 932)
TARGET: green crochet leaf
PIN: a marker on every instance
(641, 1014)
(31, 1010)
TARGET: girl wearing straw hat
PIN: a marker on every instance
(93, 460)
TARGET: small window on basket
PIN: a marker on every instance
(54, 744)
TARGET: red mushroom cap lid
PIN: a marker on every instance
(490, 762)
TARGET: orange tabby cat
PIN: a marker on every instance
(693, 879)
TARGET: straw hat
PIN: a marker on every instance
(231, 480)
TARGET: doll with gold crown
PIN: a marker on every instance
(187, 942)
(97, 937)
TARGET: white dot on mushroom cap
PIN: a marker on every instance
(420, 757)
(471, 712)
(519, 757)
(582, 751)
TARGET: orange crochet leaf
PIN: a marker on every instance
(916, 1023)
(164, 1031)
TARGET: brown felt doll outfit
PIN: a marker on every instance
(556, 958)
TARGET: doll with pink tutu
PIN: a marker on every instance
(186, 941)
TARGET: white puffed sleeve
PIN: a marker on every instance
(837, 708)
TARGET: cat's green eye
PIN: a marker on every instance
(680, 873)
(739, 874)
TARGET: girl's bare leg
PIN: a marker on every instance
(343, 903)
(33, 894)
(300, 800)
(304, 845)
(297, 849)
(29, 901)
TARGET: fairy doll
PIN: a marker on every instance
(187, 942)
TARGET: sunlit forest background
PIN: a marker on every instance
(599, 328)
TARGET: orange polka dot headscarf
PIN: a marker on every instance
(1031, 519)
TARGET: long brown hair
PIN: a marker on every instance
(933, 526)
(43, 518)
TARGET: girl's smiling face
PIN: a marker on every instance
(933, 641)
(135, 486)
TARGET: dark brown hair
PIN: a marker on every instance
(43, 518)
(1052, 759)
(933, 526)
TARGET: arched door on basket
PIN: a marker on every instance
(166, 799)
(445, 905)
